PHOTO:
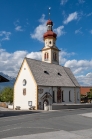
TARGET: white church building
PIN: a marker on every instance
(43, 83)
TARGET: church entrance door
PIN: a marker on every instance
(46, 105)
(59, 95)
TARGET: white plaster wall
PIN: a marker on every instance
(55, 93)
(45, 89)
(19, 98)
(49, 59)
(57, 52)
(52, 42)
(77, 95)
(66, 95)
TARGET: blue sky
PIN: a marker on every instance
(22, 24)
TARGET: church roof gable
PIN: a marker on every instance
(52, 78)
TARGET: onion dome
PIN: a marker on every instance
(49, 32)
(49, 22)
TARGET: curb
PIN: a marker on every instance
(1, 115)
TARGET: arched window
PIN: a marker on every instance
(46, 56)
(54, 56)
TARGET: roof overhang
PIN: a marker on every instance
(3, 79)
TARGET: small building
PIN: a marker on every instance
(43, 83)
(85, 89)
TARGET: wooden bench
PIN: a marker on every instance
(32, 108)
(17, 108)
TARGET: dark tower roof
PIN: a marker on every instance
(49, 32)
(49, 22)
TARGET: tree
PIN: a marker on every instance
(90, 90)
(7, 95)
(89, 94)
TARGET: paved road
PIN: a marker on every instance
(66, 124)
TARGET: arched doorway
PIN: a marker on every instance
(47, 101)
(59, 95)
(46, 104)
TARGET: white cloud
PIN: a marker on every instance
(59, 31)
(78, 31)
(10, 64)
(41, 29)
(35, 55)
(64, 55)
(85, 80)
(18, 28)
(71, 17)
(63, 2)
(4, 35)
(64, 14)
(91, 31)
(82, 70)
(81, 1)
(89, 14)
(42, 19)
(16, 22)
(79, 67)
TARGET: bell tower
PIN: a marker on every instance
(50, 52)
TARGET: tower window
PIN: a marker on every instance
(50, 42)
(54, 56)
(46, 56)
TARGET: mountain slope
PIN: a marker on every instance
(7, 84)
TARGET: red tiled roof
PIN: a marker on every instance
(85, 89)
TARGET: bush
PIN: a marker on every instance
(7, 95)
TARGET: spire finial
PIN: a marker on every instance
(49, 12)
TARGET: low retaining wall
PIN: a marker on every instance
(66, 106)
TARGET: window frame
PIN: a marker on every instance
(69, 96)
(46, 56)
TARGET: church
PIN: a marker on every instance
(41, 84)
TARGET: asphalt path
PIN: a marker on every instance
(49, 124)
